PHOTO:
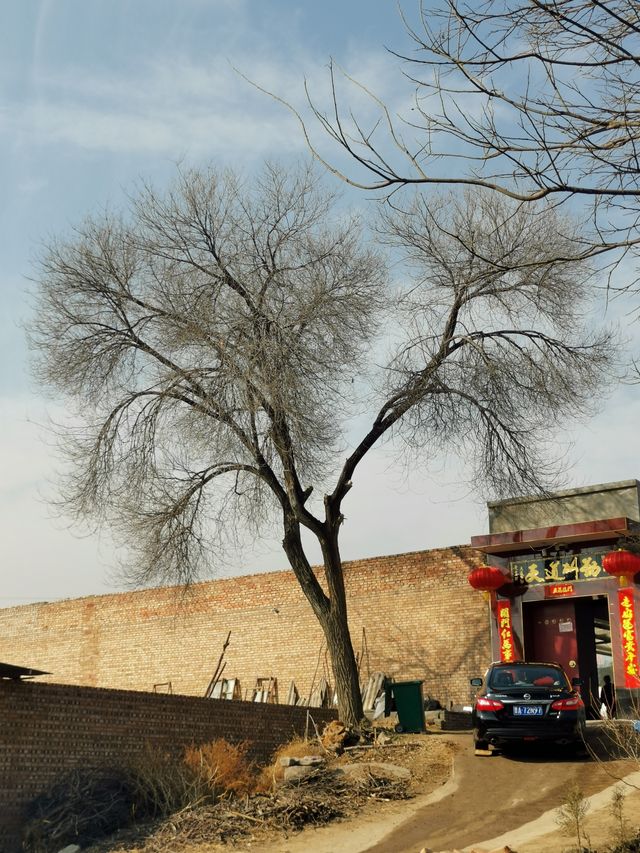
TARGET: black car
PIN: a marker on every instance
(520, 702)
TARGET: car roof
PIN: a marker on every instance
(524, 663)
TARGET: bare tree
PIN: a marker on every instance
(214, 345)
(527, 98)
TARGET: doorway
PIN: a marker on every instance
(574, 632)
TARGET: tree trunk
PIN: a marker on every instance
(331, 612)
(343, 661)
(336, 631)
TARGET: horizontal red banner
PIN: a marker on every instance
(557, 590)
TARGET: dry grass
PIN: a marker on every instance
(312, 801)
(297, 748)
(273, 773)
(428, 758)
(221, 768)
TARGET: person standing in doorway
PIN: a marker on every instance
(608, 697)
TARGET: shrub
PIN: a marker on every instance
(204, 774)
(571, 815)
(162, 783)
(220, 768)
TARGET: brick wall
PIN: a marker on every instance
(420, 617)
(48, 729)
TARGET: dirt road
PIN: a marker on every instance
(484, 799)
(495, 795)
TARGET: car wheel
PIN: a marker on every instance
(399, 728)
(480, 744)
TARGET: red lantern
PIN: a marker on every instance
(621, 564)
(486, 578)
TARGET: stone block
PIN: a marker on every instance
(296, 772)
(311, 761)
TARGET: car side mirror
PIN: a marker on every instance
(576, 682)
(476, 682)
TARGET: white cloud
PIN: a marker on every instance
(166, 131)
(170, 109)
(177, 106)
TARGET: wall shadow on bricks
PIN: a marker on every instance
(423, 620)
(452, 643)
(49, 729)
(446, 669)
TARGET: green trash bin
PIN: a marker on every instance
(409, 705)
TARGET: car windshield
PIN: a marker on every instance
(527, 675)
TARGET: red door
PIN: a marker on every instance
(550, 634)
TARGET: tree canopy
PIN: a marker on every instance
(215, 344)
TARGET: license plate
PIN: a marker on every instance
(528, 710)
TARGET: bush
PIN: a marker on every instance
(205, 773)
(220, 768)
(162, 783)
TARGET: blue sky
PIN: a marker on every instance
(95, 95)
